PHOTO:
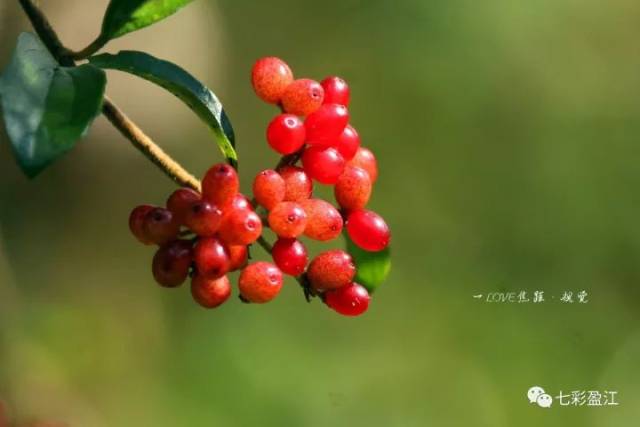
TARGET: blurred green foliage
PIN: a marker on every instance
(506, 134)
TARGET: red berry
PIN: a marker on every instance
(322, 164)
(180, 201)
(137, 222)
(323, 220)
(210, 293)
(270, 77)
(348, 143)
(240, 227)
(336, 91)
(260, 282)
(211, 258)
(240, 202)
(368, 230)
(269, 188)
(302, 97)
(331, 270)
(159, 226)
(203, 218)
(290, 255)
(365, 159)
(286, 133)
(238, 255)
(220, 185)
(350, 300)
(326, 124)
(171, 263)
(353, 188)
(298, 185)
(288, 219)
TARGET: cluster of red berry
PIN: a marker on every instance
(207, 235)
(330, 152)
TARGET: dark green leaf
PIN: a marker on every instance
(46, 107)
(125, 16)
(372, 267)
(183, 85)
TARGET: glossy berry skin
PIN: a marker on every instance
(326, 124)
(203, 218)
(137, 223)
(368, 230)
(288, 219)
(159, 226)
(210, 293)
(220, 185)
(290, 255)
(323, 220)
(365, 159)
(353, 188)
(323, 164)
(302, 97)
(350, 300)
(171, 263)
(336, 91)
(298, 185)
(260, 282)
(238, 255)
(269, 188)
(286, 133)
(240, 202)
(211, 258)
(331, 270)
(270, 77)
(348, 143)
(240, 227)
(180, 202)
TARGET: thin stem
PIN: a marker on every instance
(95, 46)
(117, 117)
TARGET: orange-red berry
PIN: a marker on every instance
(269, 188)
(260, 282)
(270, 77)
(368, 230)
(288, 219)
(302, 97)
(298, 185)
(211, 257)
(210, 293)
(353, 188)
(180, 202)
(365, 159)
(220, 185)
(331, 270)
(323, 220)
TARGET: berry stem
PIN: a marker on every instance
(117, 117)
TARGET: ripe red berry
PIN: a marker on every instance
(368, 230)
(350, 300)
(326, 124)
(210, 293)
(171, 263)
(331, 270)
(348, 143)
(240, 202)
(203, 218)
(260, 282)
(365, 159)
(290, 255)
(220, 185)
(240, 227)
(322, 164)
(159, 226)
(336, 91)
(302, 97)
(286, 133)
(137, 222)
(353, 188)
(269, 188)
(180, 201)
(238, 255)
(287, 219)
(211, 258)
(270, 77)
(323, 220)
(298, 185)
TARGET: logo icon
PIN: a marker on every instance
(537, 395)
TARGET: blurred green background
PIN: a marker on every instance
(507, 139)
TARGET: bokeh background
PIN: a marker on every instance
(507, 138)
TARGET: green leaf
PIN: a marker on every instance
(183, 85)
(372, 268)
(125, 16)
(46, 107)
